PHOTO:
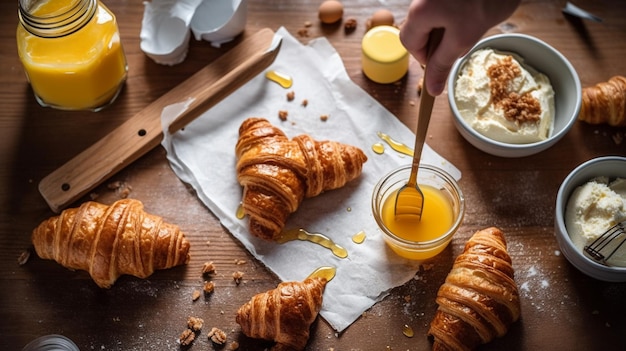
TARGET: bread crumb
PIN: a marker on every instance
(282, 114)
(303, 32)
(122, 189)
(23, 257)
(195, 323)
(195, 295)
(233, 346)
(420, 86)
(324, 118)
(426, 266)
(307, 24)
(350, 25)
(217, 336)
(291, 95)
(186, 337)
(237, 276)
(208, 287)
(208, 268)
(305, 102)
(240, 261)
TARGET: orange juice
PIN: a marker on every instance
(83, 69)
(437, 219)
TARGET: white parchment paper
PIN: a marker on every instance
(203, 155)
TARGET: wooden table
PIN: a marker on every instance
(562, 309)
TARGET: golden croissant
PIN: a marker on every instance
(109, 241)
(284, 314)
(278, 173)
(605, 103)
(479, 299)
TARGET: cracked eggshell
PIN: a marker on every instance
(165, 30)
(220, 21)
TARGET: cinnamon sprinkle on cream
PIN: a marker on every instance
(517, 108)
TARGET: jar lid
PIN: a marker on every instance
(384, 58)
(51, 342)
(382, 44)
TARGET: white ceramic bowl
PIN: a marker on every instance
(608, 166)
(543, 58)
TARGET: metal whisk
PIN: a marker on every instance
(608, 243)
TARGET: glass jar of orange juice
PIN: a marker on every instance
(71, 53)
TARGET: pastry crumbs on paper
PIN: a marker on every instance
(282, 114)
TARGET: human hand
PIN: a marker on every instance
(464, 23)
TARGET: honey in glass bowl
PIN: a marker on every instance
(444, 207)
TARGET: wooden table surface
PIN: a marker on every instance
(562, 309)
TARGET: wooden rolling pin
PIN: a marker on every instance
(142, 132)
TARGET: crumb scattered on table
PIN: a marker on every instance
(195, 323)
(217, 336)
(208, 268)
(237, 276)
(208, 287)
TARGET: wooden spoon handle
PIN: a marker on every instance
(425, 109)
(142, 132)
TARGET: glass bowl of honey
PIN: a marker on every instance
(444, 207)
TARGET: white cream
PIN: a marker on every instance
(476, 103)
(593, 208)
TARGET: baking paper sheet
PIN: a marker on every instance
(203, 155)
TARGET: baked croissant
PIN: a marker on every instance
(605, 103)
(278, 173)
(479, 299)
(109, 241)
(284, 314)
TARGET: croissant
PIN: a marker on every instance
(109, 241)
(479, 299)
(284, 314)
(278, 173)
(605, 103)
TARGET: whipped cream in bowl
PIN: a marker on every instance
(513, 95)
(592, 198)
(503, 99)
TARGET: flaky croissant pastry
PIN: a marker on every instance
(605, 103)
(278, 173)
(284, 314)
(479, 299)
(109, 241)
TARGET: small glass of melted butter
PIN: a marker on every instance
(444, 207)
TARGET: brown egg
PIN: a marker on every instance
(381, 17)
(330, 11)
